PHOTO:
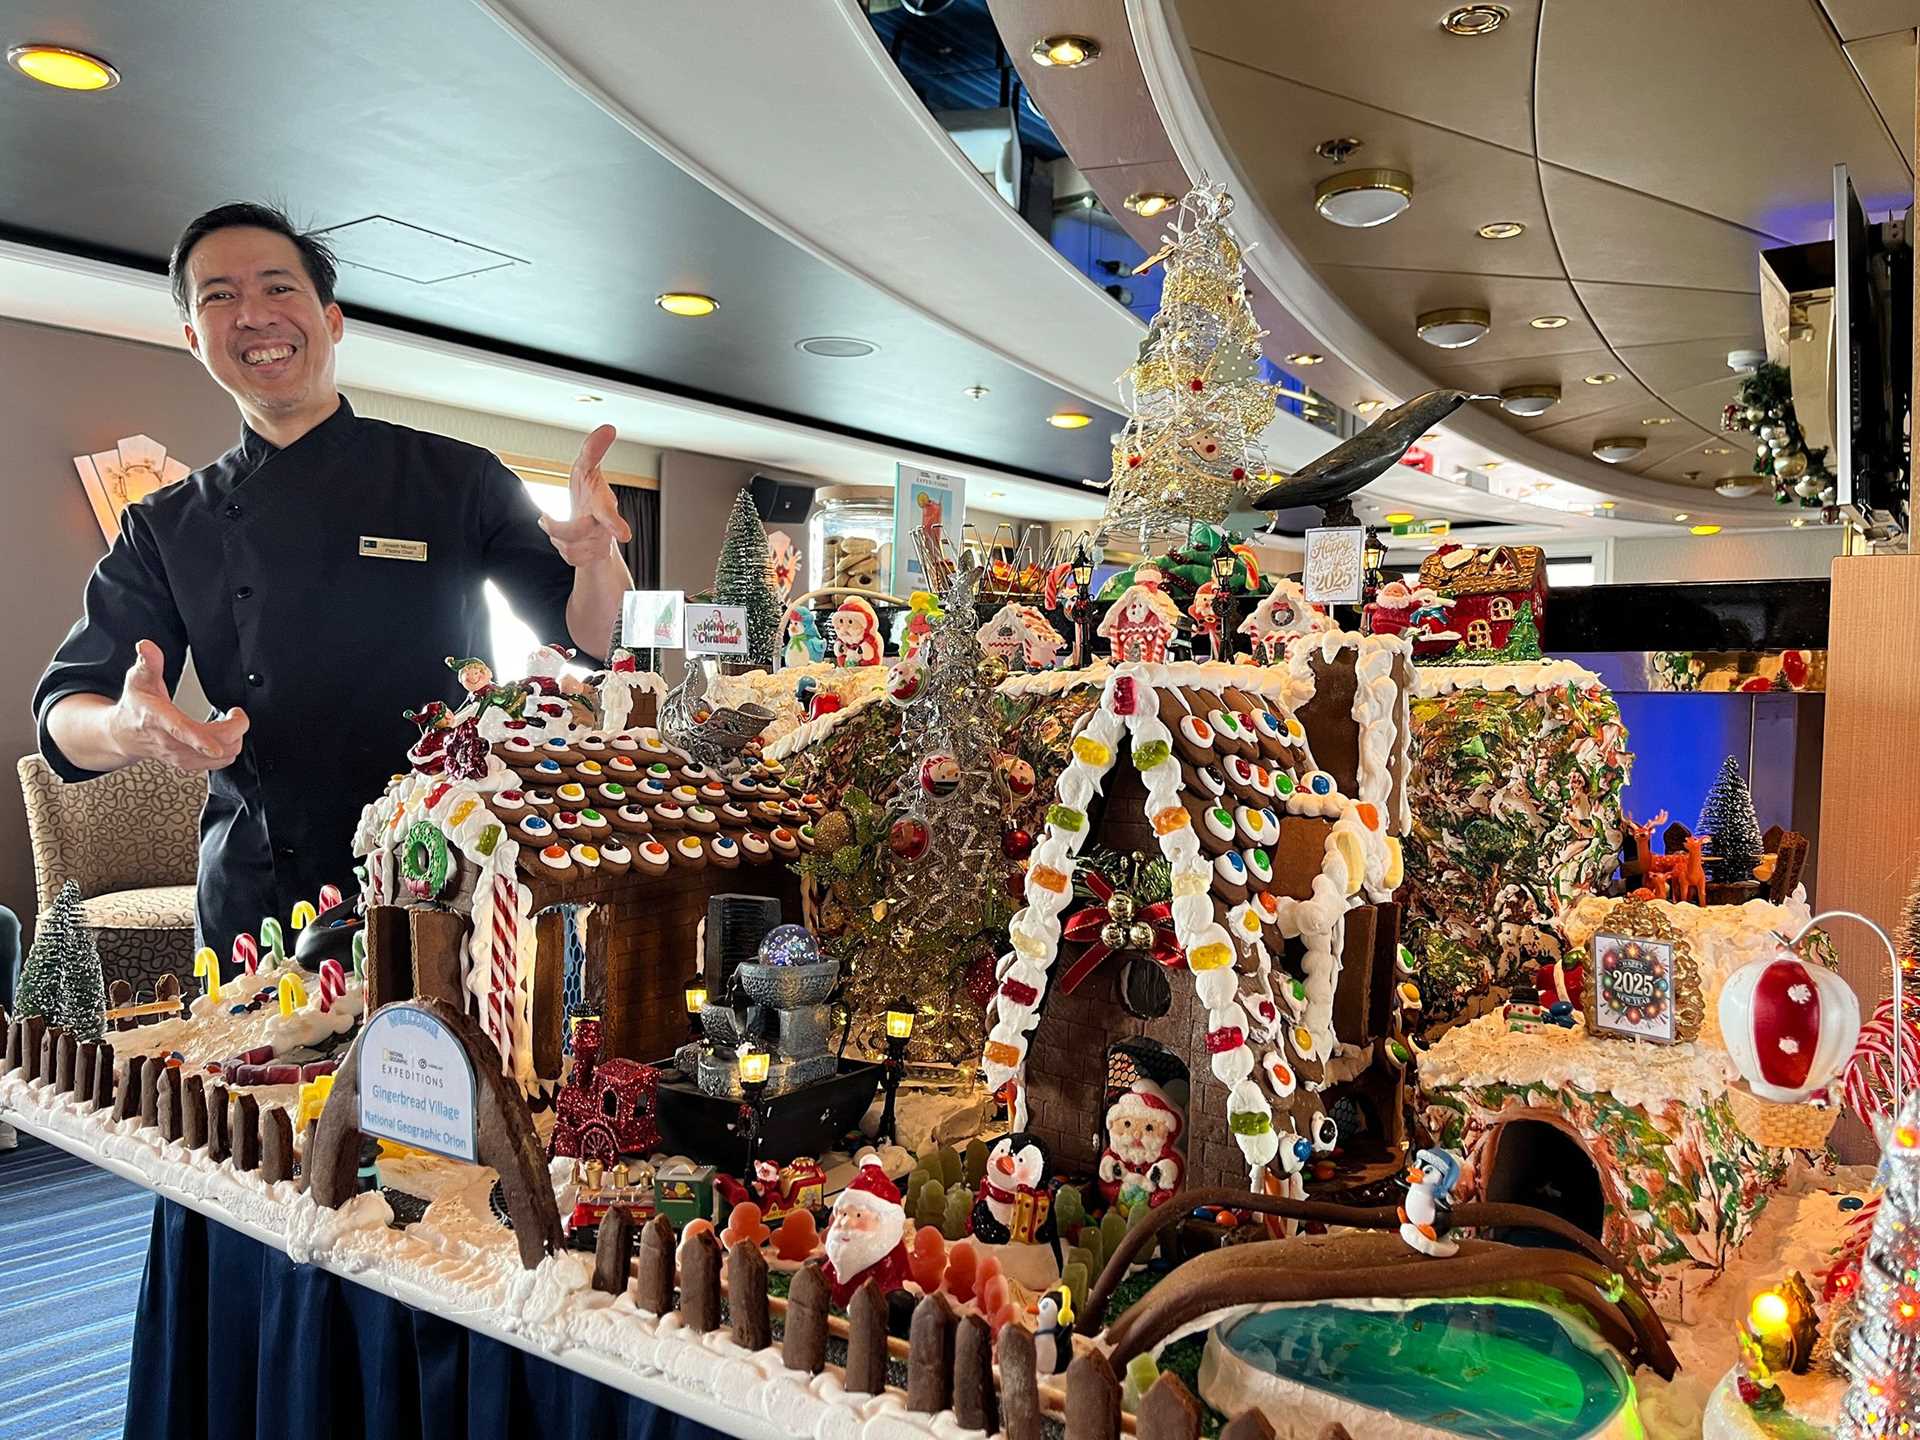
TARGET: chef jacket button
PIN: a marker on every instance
(243, 592)
(255, 678)
(234, 512)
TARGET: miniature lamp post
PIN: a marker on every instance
(1082, 604)
(1226, 605)
(899, 1032)
(1782, 1321)
(754, 1065)
(1373, 556)
(696, 1002)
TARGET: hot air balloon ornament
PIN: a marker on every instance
(1789, 1026)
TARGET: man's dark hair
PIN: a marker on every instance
(315, 257)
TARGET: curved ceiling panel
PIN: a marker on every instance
(812, 131)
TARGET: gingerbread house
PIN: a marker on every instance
(1274, 798)
(1491, 586)
(527, 830)
(1142, 622)
(1022, 636)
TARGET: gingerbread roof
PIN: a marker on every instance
(1229, 780)
(1483, 569)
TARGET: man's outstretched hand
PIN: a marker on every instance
(145, 724)
(596, 526)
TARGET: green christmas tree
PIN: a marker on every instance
(741, 579)
(1727, 815)
(1523, 639)
(42, 976)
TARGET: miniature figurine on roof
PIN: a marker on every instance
(1236, 828)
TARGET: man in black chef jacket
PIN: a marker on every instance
(319, 573)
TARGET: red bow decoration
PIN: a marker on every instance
(1118, 923)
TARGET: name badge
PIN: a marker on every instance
(380, 547)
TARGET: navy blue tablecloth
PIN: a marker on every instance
(236, 1342)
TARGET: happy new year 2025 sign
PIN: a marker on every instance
(417, 1083)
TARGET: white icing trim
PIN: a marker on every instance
(1431, 681)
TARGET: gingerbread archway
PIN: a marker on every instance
(504, 1137)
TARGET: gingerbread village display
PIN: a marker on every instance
(955, 1038)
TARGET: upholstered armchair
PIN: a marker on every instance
(131, 840)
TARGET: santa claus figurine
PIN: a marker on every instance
(866, 1235)
(856, 633)
(1142, 1157)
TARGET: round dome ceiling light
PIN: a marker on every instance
(1501, 230)
(1548, 322)
(1739, 487)
(1615, 448)
(1069, 420)
(1305, 357)
(1704, 530)
(1453, 328)
(62, 68)
(1361, 199)
(1599, 377)
(836, 347)
(1149, 203)
(1526, 401)
(1741, 361)
(1475, 19)
(1065, 52)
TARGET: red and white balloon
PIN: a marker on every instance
(1789, 1026)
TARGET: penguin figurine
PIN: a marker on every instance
(1014, 1204)
(1427, 1213)
(1053, 1332)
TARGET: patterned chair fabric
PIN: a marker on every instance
(132, 841)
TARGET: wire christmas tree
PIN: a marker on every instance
(1196, 402)
(61, 979)
(741, 579)
(1727, 815)
(1883, 1349)
(949, 836)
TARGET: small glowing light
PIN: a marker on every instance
(1906, 1309)
(1149, 203)
(1474, 19)
(696, 999)
(1705, 530)
(62, 68)
(1398, 517)
(1658, 420)
(1069, 420)
(1548, 322)
(1501, 230)
(1367, 407)
(1305, 357)
(686, 304)
(1065, 51)
(900, 1023)
(1600, 377)
(1905, 1137)
(1680, 516)
(1799, 522)
(1607, 504)
(1769, 1311)
(753, 1067)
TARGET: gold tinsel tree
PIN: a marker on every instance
(1194, 396)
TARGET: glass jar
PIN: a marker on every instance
(850, 538)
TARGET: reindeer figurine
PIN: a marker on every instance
(1639, 864)
(1679, 877)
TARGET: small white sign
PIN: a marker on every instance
(651, 619)
(716, 630)
(417, 1083)
(924, 500)
(1336, 566)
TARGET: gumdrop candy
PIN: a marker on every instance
(987, 1270)
(957, 1223)
(993, 1293)
(743, 1223)
(931, 1207)
(962, 1263)
(929, 1260)
(796, 1237)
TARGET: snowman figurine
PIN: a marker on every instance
(1426, 1214)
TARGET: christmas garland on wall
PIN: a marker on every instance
(1764, 408)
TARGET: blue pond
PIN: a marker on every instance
(1479, 1368)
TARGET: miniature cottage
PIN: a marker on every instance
(1276, 796)
(1491, 586)
(1141, 624)
(1282, 615)
(1022, 636)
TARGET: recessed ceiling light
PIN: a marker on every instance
(1716, 449)
(1501, 230)
(1361, 199)
(1491, 464)
(1453, 328)
(1429, 437)
(1149, 203)
(1600, 377)
(1069, 420)
(1398, 517)
(1681, 517)
(1474, 19)
(1065, 52)
(1799, 522)
(1548, 322)
(1339, 149)
(976, 392)
(589, 399)
(1527, 401)
(1367, 407)
(62, 68)
(1705, 530)
(996, 494)
(1305, 357)
(1657, 420)
(836, 347)
(1608, 504)
(686, 304)
(1615, 448)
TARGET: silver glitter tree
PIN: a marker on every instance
(1883, 1351)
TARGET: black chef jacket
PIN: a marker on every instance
(254, 564)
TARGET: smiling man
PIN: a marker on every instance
(318, 573)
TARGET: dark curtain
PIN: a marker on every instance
(641, 510)
(292, 1352)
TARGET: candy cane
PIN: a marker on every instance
(206, 966)
(329, 898)
(360, 956)
(246, 952)
(1869, 1077)
(303, 915)
(293, 995)
(505, 933)
(333, 982)
(273, 940)
(376, 875)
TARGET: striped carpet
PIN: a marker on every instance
(73, 1242)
